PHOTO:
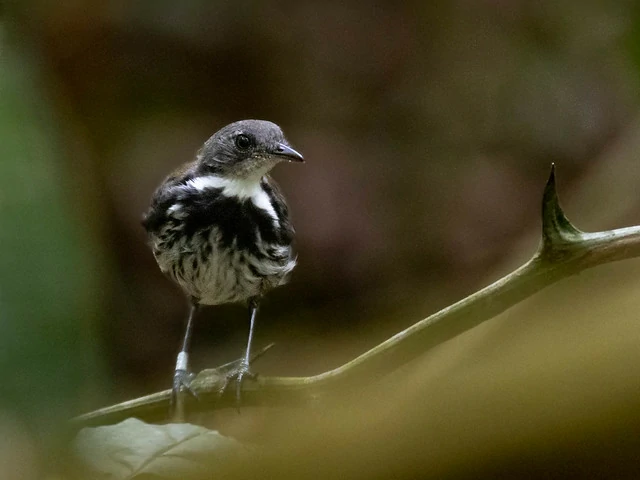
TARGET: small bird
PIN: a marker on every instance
(219, 227)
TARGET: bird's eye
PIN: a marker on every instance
(243, 142)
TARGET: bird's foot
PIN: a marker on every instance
(239, 374)
(181, 382)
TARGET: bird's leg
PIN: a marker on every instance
(243, 370)
(182, 376)
(253, 308)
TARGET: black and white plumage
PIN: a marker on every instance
(222, 240)
(219, 226)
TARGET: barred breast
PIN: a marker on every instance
(222, 240)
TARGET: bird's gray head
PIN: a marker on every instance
(248, 148)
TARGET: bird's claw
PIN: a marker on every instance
(181, 382)
(239, 375)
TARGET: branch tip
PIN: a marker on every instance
(556, 227)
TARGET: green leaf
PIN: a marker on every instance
(134, 449)
(53, 278)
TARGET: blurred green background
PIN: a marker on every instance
(428, 129)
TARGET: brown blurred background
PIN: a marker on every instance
(428, 129)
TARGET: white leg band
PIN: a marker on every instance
(182, 362)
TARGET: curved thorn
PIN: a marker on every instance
(556, 227)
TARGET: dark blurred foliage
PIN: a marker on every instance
(428, 129)
(50, 275)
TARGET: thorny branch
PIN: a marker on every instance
(564, 251)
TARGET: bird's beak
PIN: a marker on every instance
(283, 150)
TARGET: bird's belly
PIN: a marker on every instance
(214, 275)
(225, 277)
